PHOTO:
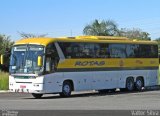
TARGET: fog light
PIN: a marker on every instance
(36, 85)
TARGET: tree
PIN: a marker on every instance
(5, 43)
(30, 35)
(158, 39)
(134, 34)
(5, 48)
(103, 28)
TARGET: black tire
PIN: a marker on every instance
(103, 91)
(130, 84)
(123, 89)
(112, 90)
(37, 96)
(139, 84)
(66, 89)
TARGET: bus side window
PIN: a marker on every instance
(117, 50)
(104, 51)
(52, 58)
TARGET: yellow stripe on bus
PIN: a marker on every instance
(114, 62)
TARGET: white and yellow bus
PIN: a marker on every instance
(62, 65)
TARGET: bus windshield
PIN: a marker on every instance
(24, 59)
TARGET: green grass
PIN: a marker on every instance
(4, 79)
(159, 76)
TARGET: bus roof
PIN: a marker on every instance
(96, 39)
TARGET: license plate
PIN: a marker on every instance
(22, 86)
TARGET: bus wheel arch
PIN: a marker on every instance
(139, 83)
(130, 83)
(67, 88)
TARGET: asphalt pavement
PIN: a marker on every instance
(147, 100)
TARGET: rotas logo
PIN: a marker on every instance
(90, 63)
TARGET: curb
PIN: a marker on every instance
(157, 87)
(4, 91)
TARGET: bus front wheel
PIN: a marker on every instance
(37, 96)
(66, 89)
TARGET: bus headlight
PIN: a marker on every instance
(11, 84)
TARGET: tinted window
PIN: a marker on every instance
(108, 50)
(117, 50)
(104, 51)
(84, 50)
(52, 58)
(132, 51)
(142, 51)
(148, 51)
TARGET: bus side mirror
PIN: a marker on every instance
(2, 59)
(39, 61)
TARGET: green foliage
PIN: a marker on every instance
(4, 81)
(158, 39)
(103, 28)
(5, 43)
(109, 28)
(134, 34)
(5, 46)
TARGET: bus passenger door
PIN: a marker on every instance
(53, 78)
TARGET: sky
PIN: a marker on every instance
(58, 18)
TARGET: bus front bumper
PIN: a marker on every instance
(26, 88)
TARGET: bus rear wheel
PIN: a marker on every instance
(37, 96)
(66, 89)
(139, 83)
(130, 84)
